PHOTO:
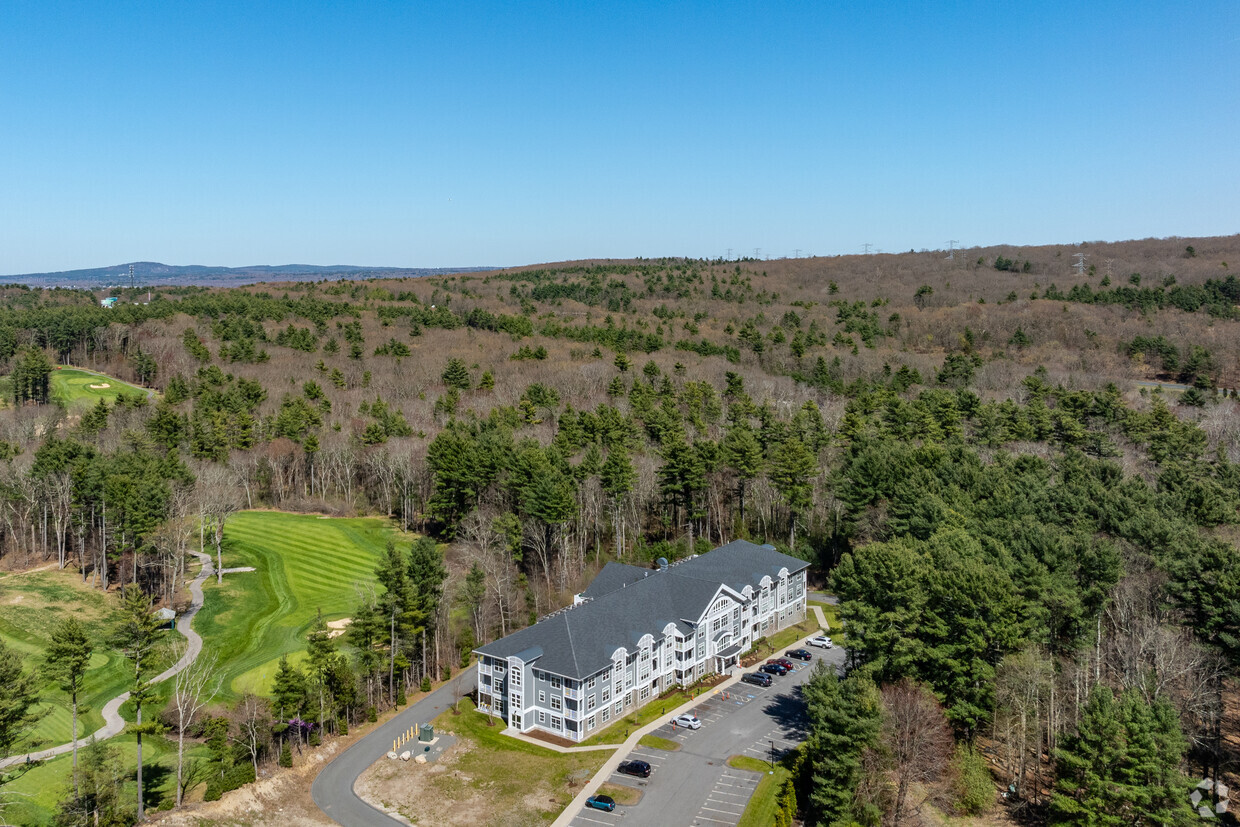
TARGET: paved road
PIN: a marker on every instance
(333, 788)
(694, 785)
(113, 723)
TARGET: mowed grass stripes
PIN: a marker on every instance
(304, 564)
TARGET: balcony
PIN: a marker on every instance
(575, 694)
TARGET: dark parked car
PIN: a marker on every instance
(773, 669)
(787, 664)
(799, 654)
(601, 802)
(639, 768)
(756, 678)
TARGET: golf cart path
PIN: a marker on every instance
(113, 723)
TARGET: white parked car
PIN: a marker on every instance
(822, 642)
(689, 721)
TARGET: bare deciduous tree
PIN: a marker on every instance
(194, 687)
(917, 737)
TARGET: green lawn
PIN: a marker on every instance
(304, 563)
(639, 717)
(760, 811)
(510, 773)
(655, 742)
(34, 795)
(72, 388)
(832, 614)
(31, 605)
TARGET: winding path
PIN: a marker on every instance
(113, 723)
(333, 789)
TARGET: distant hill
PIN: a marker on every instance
(153, 273)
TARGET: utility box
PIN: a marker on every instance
(426, 733)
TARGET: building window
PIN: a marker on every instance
(590, 683)
(590, 723)
(619, 707)
(645, 692)
(606, 694)
(555, 722)
(590, 703)
(606, 714)
(516, 677)
(556, 704)
(542, 717)
(555, 682)
(542, 697)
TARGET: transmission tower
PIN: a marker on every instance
(951, 250)
(867, 247)
(798, 253)
(131, 277)
(1079, 266)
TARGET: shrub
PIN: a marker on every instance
(286, 756)
(974, 788)
(238, 775)
(426, 683)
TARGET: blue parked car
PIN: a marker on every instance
(601, 802)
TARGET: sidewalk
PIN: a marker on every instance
(571, 811)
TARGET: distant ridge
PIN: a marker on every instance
(149, 273)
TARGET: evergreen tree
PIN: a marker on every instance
(136, 637)
(792, 472)
(288, 694)
(31, 377)
(320, 657)
(456, 375)
(844, 721)
(1121, 766)
(743, 454)
(67, 659)
(18, 698)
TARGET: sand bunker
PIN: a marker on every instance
(337, 626)
(99, 387)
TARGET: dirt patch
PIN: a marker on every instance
(548, 738)
(100, 387)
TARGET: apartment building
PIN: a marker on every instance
(636, 632)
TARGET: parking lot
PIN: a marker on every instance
(694, 785)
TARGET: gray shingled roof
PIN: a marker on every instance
(614, 576)
(579, 641)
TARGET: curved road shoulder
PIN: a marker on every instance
(113, 723)
(333, 789)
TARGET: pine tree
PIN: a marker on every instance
(456, 375)
(617, 478)
(18, 697)
(844, 720)
(139, 631)
(743, 454)
(320, 656)
(67, 659)
(792, 472)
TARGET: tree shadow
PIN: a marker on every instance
(788, 712)
(154, 777)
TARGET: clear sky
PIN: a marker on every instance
(427, 134)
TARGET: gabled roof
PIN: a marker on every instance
(579, 641)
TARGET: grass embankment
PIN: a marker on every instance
(78, 390)
(625, 796)
(303, 564)
(655, 742)
(760, 811)
(832, 613)
(509, 774)
(776, 644)
(639, 717)
(32, 604)
(35, 795)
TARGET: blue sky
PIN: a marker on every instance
(470, 133)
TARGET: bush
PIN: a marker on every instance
(401, 700)
(371, 714)
(342, 726)
(286, 756)
(234, 777)
(426, 683)
(974, 788)
(316, 737)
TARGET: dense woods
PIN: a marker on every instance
(1034, 551)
